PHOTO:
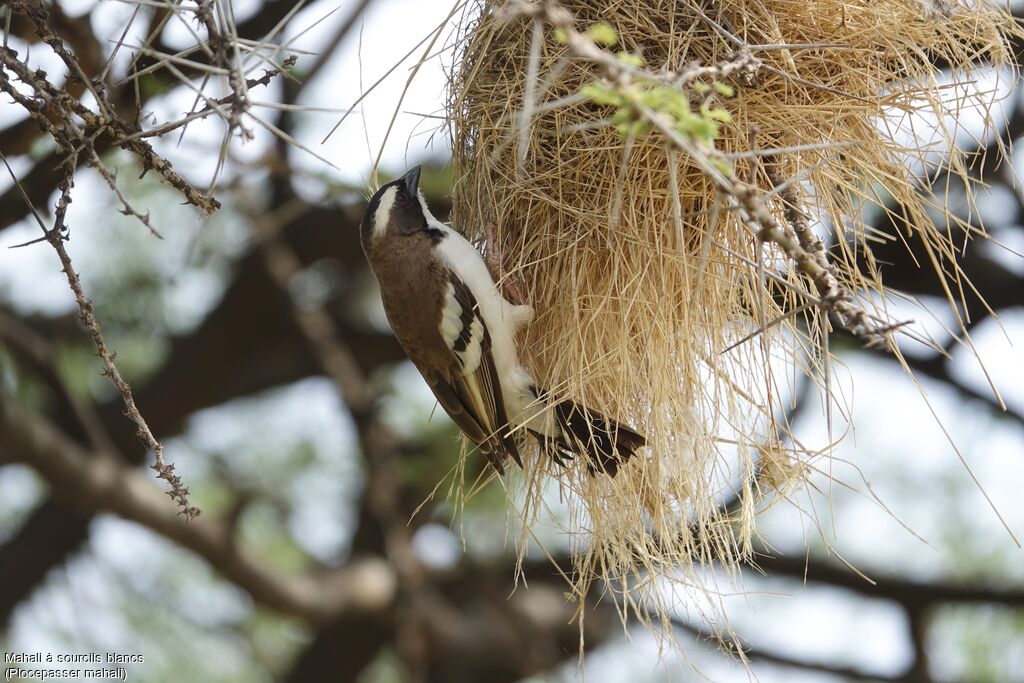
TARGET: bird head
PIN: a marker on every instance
(395, 209)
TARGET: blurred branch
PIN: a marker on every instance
(917, 630)
(315, 324)
(381, 449)
(938, 368)
(528, 633)
(756, 653)
(101, 484)
(907, 593)
(37, 352)
(917, 599)
(341, 649)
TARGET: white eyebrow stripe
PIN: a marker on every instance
(383, 212)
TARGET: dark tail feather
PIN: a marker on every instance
(508, 445)
(499, 447)
(604, 441)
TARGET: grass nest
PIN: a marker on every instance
(689, 257)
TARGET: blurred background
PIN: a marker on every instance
(260, 357)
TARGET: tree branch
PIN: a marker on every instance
(905, 592)
(848, 672)
(937, 368)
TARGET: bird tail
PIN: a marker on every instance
(603, 441)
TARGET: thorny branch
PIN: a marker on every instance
(810, 247)
(56, 236)
(81, 133)
(211, 108)
(55, 111)
(803, 250)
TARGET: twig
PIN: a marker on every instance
(56, 236)
(210, 108)
(47, 99)
(799, 244)
(126, 208)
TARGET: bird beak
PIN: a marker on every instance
(411, 180)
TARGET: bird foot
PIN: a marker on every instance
(510, 290)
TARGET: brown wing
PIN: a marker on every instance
(453, 404)
(469, 389)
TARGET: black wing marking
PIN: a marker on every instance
(472, 392)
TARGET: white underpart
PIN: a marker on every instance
(502, 319)
(383, 212)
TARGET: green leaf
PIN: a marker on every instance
(561, 36)
(697, 128)
(722, 166)
(724, 89)
(720, 115)
(599, 93)
(667, 100)
(630, 59)
(622, 116)
(603, 34)
(634, 129)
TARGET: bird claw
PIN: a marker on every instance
(510, 290)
